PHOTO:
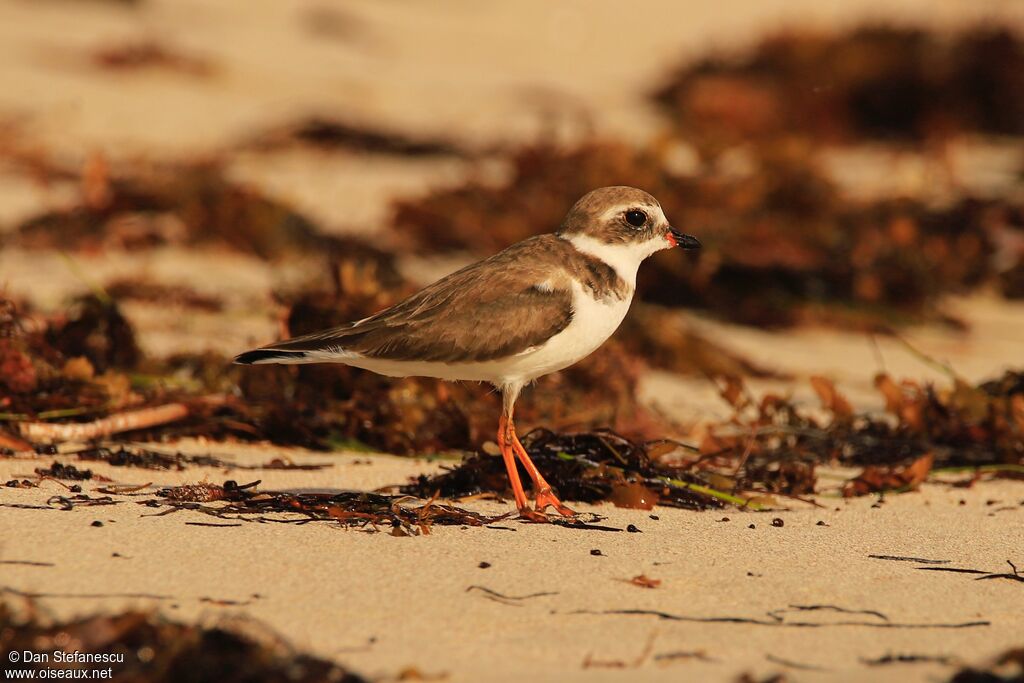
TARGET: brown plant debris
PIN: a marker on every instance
(511, 600)
(1006, 668)
(890, 658)
(980, 575)
(149, 54)
(782, 245)
(328, 134)
(901, 558)
(877, 81)
(174, 651)
(773, 446)
(65, 368)
(891, 478)
(588, 467)
(365, 510)
(189, 205)
(778, 620)
(779, 445)
(58, 470)
(643, 581)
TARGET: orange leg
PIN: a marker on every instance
(545, 496)
(508, 454)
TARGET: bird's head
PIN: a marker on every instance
(622, 226)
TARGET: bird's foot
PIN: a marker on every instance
(546, 497)
(533, 516)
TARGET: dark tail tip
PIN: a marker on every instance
(267, 356)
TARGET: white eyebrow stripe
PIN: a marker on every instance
(651, 211)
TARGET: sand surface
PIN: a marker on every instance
(734, 599)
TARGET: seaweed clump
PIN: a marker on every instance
(144, 647)
(347, 508)
(187, 205)
(588, 467)
(773, 447)
(774, 444)
(881, 82)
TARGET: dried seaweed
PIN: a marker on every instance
(779, 445)
(1006, 668)
(587, 467)
(149, 54)
(883, 82)
(128, 455)
(187, 205)
(58, 470)
(173, 651)
(347, 508)
(773, 446)
(52, 371)
(329, 134)
(776, 621)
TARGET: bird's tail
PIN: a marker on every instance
(265, 356)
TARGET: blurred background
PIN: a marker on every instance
(182, 180)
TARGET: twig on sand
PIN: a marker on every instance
(782, 623)
(114, 424)
(506, 599)
(902, 558)
(13, 443)
(645, 654)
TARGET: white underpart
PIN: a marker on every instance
(592, 323)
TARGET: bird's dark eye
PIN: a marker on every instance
(636, 218)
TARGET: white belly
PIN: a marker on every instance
(592, 323)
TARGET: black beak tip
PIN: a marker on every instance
(685, 241)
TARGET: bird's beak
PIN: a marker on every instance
(679, 239)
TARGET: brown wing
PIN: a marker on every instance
(488, 310)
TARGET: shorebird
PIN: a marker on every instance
(538, 306)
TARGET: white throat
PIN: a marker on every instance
(624, 258)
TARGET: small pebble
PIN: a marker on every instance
(724, 519)
(97, 523)
(75, 488)
(777, 521)
(656, 517)
(751, 527)
(596, 553)
(484, 565)
(963, 502)
(632, 529)
(821, 523)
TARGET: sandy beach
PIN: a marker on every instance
(806, 599)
